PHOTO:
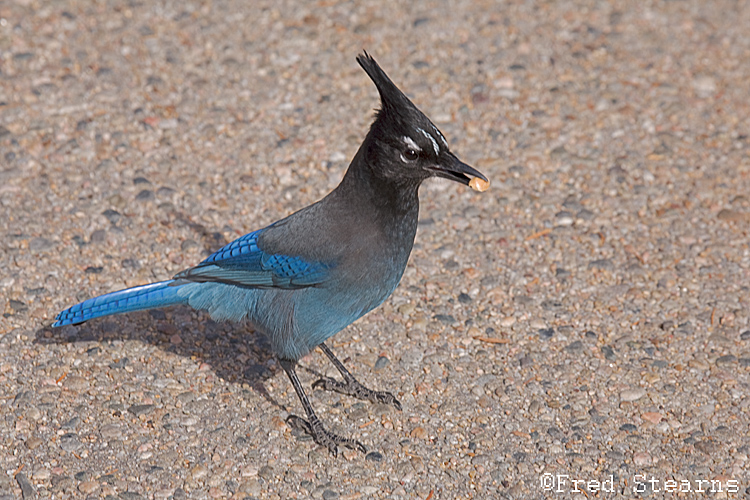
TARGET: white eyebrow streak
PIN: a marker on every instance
(442, 139)
(410, 142)
(431, 139)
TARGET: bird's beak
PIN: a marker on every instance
(454, 169)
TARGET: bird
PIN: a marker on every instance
(306, 277)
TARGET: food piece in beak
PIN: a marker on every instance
(479, 184)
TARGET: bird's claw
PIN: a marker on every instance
(325, 383)
(323, 436)
(387, 398)
(357, 390)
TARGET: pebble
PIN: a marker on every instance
(113, 216)
(27, 489)
(707, 447)
(33, 413)
(83, 475)
(575, 346)
(445, 318)
(189, 245)
(564, 218)
(537, 324)
(143, 409)
(111, 431)
(145, 195)
(601, 264)
(130, 495)
(546, 333)
(562, 273)
(188, 421)
(98, 236)
(407, 309)
(69, 442)
(18, 306)
(41, 474)
(329, 495)
(197, 473)
(641, 459)
(698, 364)
(411, 358)
(75, 383)
(608, 352)
(507, 321)
(660, 363)
(705, 86)
(71, 424)
(418, 433)
(652, 417)
(707, 409)
(381, 363)
(266, 472)
(88, 487)
(41, 244)
(251, 487)
(632, 394)
(728, 359)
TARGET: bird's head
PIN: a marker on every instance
(405, 144)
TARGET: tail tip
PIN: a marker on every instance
(64, 320)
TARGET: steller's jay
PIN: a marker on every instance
(306, 277)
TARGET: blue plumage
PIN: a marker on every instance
(306, 277)
(133, 299)
(242, 263)
(244, 245)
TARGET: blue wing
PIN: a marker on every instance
(243, 263)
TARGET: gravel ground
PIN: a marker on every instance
(587, 317)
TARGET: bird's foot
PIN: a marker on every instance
(323, 436)
(357, 390)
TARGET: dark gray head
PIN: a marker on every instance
(403, 142)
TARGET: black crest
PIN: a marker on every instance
(391, 98)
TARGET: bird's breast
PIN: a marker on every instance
(375, 265)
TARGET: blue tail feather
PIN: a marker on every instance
(137, 298)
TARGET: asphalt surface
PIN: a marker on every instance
(580, 330)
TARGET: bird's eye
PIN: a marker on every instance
(410, 155)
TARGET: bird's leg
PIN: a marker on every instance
(312, 425)
(350, 386)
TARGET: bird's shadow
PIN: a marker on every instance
(234, 351)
